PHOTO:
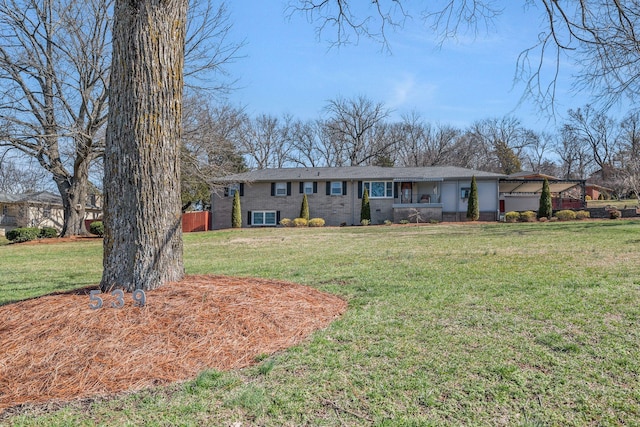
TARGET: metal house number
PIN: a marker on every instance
(139, 299)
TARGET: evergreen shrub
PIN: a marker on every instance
(97, 228)
(583, 214)
(316, 222)
(48, 233)
(300, 222)
(566, 215)
(615, 214)
(528, 216)
(512, 216)
(23, 234)
(286, 222)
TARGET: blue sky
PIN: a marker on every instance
(286, 69)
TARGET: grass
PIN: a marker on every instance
(478, 324)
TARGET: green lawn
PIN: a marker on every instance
(476, 324)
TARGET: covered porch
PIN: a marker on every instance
(418, 200)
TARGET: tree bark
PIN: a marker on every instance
(142, 217)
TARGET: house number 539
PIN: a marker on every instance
(139, 299)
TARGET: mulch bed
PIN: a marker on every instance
(57, 348)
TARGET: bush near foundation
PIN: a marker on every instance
(512, 216)
(300, 222)
(97, 228)
(583, 215)
(528, 216)
(23, 234)
(286, 222)
(565, 215)
(48, 233)
(316, 222)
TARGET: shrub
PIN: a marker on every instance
(97, 228)
(23, 234)
(365, 222)
(365, 209)
(316, 222)
(587, 197)
(543, 219)
(473, 209)
(553, 219)
(615, 214)
(404, 221)
(388, 222)
(545, 208)
(48, 233)
(236, 212)
(300, 222)
(512, 216)
(286, 222)
(528, 216)
(583, 214)
(566, 215)
(304, 208)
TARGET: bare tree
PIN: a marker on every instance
(16, 179)
(628, 156)
(208, 148)
(600, 36)
(54, 60)
(351, 125)
(305, 144)
(575, 157)
(265, 141)
(597, 132)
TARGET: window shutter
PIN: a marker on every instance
(249, 218)
(344, 188)
(397, 190)
(315, 186)
(273, 188)
(328, 188)
(277, 217)
(301, 187)
(289, 188)
(226, 191)
(241, 189)
(359, 189)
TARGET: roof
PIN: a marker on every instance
(427, 173)
(37, 197)
(530, 175)
(535, 185)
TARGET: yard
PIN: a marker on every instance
(469, 324)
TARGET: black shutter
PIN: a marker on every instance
(397, 190)
(301, 187)
(359, 189)
(315, 186)
(226, 191)
(277, 217)
(241, 189)
(248, 217)
(273, 188)
(289, 188)
(328, 188)
(344, 188)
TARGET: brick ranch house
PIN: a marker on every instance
(335, 194)
(37, 209)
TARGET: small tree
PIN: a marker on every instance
(365, 211)
(236, 214)
(304, 209)
(473, 210)
(545, 210)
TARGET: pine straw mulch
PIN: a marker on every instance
(56, 348)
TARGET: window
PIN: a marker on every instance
(263, 218)
(281, 188)
(307, 188)
(379, 189)
(46, 212)
(336, 188)
(465, 192)
(232, 189)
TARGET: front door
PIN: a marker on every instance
(405, 192)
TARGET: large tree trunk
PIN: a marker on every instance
(142, 217)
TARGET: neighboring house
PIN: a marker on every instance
(335, 194)
(521, 192)
(37, 209)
